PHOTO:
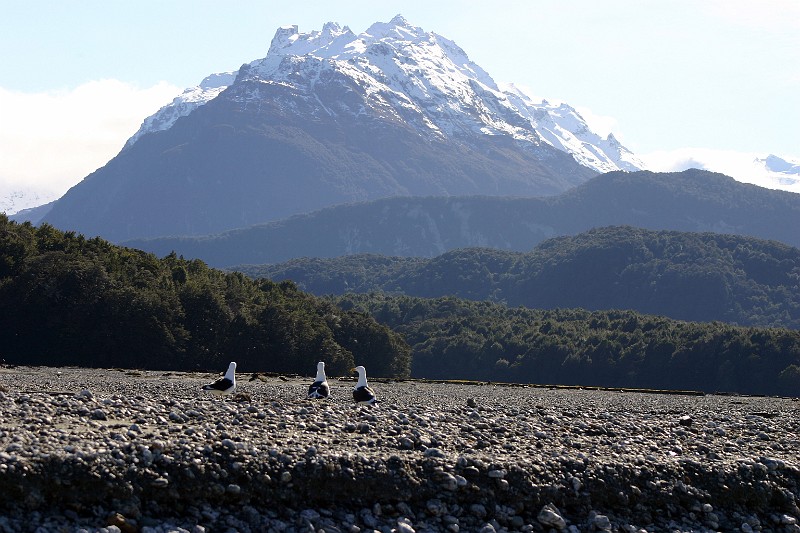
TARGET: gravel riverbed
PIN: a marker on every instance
(122, 450)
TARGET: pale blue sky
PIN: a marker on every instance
(662, 75)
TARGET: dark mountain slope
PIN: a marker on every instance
(687, 276)
(693, 200)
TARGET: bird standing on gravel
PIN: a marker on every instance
(362, 393)
(225, 384)
(319, 389)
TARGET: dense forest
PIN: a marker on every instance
(68, 300)
(687, 276)
(460, 339)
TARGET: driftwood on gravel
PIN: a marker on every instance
(148, 451)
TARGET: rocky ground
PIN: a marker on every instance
(121, 450)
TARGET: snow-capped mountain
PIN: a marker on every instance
(415, 77)
(326, 118)
(189, 100)
(775, 172)
(19, 199)
(563, 127)
(786, 171)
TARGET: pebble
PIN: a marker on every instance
(150, 453)
(403, 527)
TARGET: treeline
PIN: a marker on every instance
(687, 276)
(460, 339)
(68, 300)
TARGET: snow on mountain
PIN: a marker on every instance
(182, 105)
(563, 127)
(416, 77)
(779, 173)
(789, 167)
(19, 199)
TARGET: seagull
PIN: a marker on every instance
(319, 389)
(224, 385)
(362, 393)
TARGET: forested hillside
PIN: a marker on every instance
(460, 339)
(690, 201)
(687, 276)
(67, 300)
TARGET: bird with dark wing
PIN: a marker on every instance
(362, 393)
(224, 385)
(319, 389)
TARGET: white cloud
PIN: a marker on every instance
(742, 166)
(49, 141)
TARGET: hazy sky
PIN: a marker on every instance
(77, 77)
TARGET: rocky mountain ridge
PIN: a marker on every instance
(415, 76)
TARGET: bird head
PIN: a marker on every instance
(362, 375)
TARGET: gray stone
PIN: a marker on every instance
(601, 522)
(550, 516)
(478, 510)
(403, 527)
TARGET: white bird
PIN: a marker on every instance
(362, 393)
(319, 389)
(225, 384)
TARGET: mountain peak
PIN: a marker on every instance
(283, 37)
(399, 20)
(288, 40)
(333, 28)
(419, 78)
(398, 28)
